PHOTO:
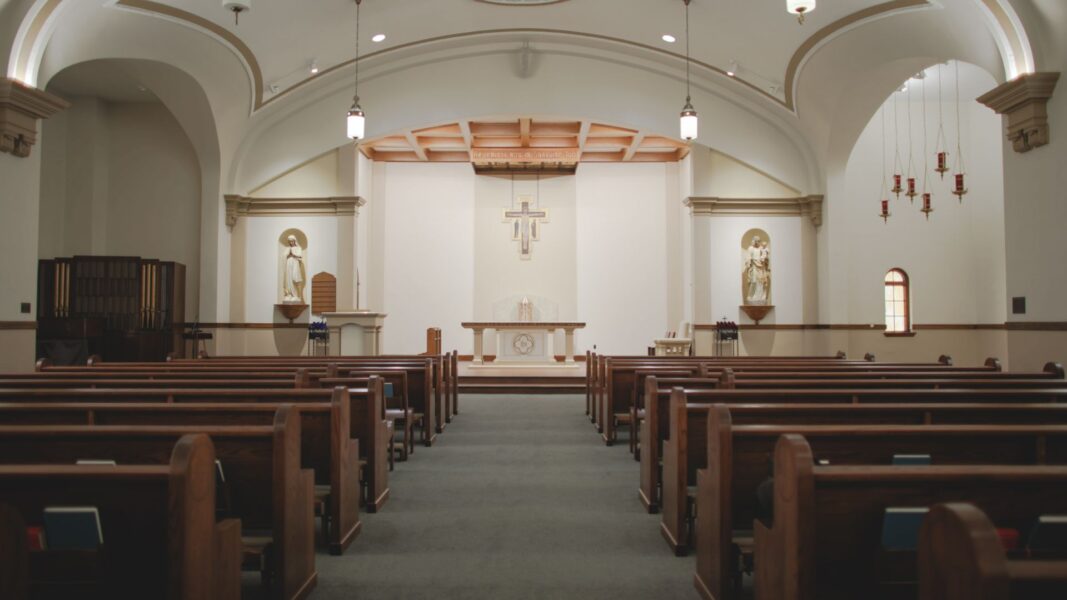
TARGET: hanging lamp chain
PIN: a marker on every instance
(355, 98)
(687, 94)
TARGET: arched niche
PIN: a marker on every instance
(298, 263)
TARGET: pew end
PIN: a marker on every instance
(945, 359)
(1054, 368)
(994, 363)
(960, 556)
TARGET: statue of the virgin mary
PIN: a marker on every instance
(294, 275)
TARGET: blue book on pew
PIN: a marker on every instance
(900, 527)
(912, 460)
(1049, 534)
(388, 390)
(73, 528)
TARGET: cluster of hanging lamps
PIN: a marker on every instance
(909, 185)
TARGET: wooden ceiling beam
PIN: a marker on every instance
(414, 142)
(396, 156)
(448, 156)
(603, 156)
(598, 130)
(655, 157)
(495, 129)
(554, 142)
(524, 132)
(583, 135)
(620, 141)
(634, 145)
(538, 129)
(495, 142)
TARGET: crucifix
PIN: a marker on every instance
(525, 225)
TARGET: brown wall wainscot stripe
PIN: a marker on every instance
(18, 325)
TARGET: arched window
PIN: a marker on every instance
(897, 302)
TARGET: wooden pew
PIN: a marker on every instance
(825, 540)
(961, 558)
(268, 490)
(729, 460)
(617, 396)
(655, 427)
(326, 446)
(366, 424)
(441, 377)
(161, 536)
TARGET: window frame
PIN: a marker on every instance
(905, 284)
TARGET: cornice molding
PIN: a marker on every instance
(243, 206)
(1024, 101)
(21, 106)
(804, 206)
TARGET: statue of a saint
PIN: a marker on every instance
(294, 275)
(757, 272)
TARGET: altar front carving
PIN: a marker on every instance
(517, 341)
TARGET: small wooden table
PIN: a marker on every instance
(479, 328)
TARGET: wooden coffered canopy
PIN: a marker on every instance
(524, 145)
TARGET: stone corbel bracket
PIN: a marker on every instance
(20, 108)
(243, 206)
(1023, 101)
(804, 206)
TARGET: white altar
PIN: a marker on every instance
(358, 332)
(518, 342)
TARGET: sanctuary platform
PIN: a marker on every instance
(521, 379)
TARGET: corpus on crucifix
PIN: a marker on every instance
(525, 225)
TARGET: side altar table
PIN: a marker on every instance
(359, 332)
(524, 346)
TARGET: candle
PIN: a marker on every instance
(911, 186)
(926, 202)
(942, 159)
(896, 182)
(959, 182)
(885, 207)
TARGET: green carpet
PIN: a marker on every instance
(518, 499)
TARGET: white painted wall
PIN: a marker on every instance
(428, 253)
(721, 240)
(263, 253)
(622, 256)
(316, 179)
(955, 260)
(121, 179)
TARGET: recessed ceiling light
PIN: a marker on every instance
(732, 71)
(670, 39)
(314, 67)
(380, 37)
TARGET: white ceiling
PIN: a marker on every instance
(104, 79)
(286, 36)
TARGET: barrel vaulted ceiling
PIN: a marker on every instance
(757, 39)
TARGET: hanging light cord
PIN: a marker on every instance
(959, 131)
(911, 156)
(926, 163)
(358, 2)
(896, 136)
(687, 95)
(885, 181)
(940, 113)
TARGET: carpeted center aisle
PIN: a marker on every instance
(518, 499)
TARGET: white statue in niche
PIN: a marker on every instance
(294, 275)
(757, 272)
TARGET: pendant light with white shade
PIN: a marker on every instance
(800, 8)
(237, 7)
(357, 120)
(689, 123)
